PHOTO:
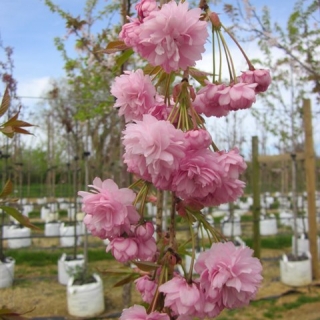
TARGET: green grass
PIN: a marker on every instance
(279, 241)
(43, 258)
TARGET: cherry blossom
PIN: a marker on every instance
(260, 76)
(166, 42)
(134, 93)
(229, 275)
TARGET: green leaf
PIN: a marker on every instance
(150, 70)
(128, 279)
(13, 212)
(124, 57)
(146, 266)
(5, 102)
(198, 75)
(7, 190)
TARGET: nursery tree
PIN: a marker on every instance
(298, 42)
(84, 102)
(167, 148)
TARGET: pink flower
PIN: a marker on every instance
(144, 231)
(153, 150)
(261, 77)
(166, 42)
(199, 174)
(145, 7)
(135, 94)
(146, 287)
(229, 190)
(238, 96)
(232, 163)
(130, 33)
(139, 313)
(109, 209)
(160, 110)
(181, 297)
(198, 139)
(207, 101)
(146, 249)
(123, 249)
(229, 275)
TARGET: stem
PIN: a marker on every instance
(220, 59)
(250, 66)
(193, 254)
(232, 72)
(172, 228)
(159, 214)
(213, 57)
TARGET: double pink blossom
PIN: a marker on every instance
(139, 313)
(147, 288)
(145, 7)
(153, 150)
(198, 139)
(181, 297)
(199, 174)
(238, 96)
(166, 42)
(261, 77)
(123, 249)
(207, 101)
(229, 275)
(109, 210)
(134, 93)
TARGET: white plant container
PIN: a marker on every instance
(67, 267)
(64, 206)
(268, 226)
(44, 212)
(52, 216)
(71, 213)
(23, 233)
(52, 229)
(302, 224)
(295, 273)
(286, 217)
(67, 235)
(85, 300)
(303, 245)
(53, 207)
(230, 228)
(7, 272)
(27, 208)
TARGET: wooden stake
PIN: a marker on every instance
(311, 186)
(256, 197)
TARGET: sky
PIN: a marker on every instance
(30, 27)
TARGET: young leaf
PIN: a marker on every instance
(124, 57)
(146, 266)
(13, 212)
(5, 102)
(198, 75)
(126, 280)
(7, 190)
(115, 46)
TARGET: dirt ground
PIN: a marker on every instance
(38, 290)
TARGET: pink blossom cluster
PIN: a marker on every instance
(135, 96)
(182, 162)
(159, 36)
(111, 215)
(219, 99)
(166, 146)
(229, 277)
